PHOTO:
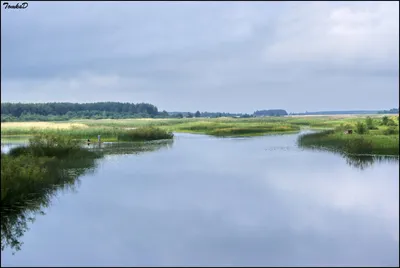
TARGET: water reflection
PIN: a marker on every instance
(360, 161)
(118, 148)
(365, 161)
(15, 220)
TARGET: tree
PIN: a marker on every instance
(369, 122)
(197, 114)
(361, 128)
(385, 120)
(189, 115)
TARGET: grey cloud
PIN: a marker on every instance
(255, 54)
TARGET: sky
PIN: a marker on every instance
(207, 56)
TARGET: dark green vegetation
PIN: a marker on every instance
(365, 161)
(276, 112)
(144, 134)
(391, 111)
(32, 175)
(24, 112)
(374, 136)
(30, 169)
(64, 111)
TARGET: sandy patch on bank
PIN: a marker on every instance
(42, 125)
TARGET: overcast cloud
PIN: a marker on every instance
(210, 56)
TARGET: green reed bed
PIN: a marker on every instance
(106, 133)
(31, 177)
(352, 143)
(144, 134)
(233, 127)
(31, 169)
(111, 129)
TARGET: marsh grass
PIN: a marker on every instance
(372, 143)
(32, 175)
(233, 127)
(47, 145)
(144, 134)
(106, 133)
(110, 129)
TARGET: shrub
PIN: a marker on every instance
(343, 127)
(361, 128)
(390, 131)
(391, 122)
(385, 120)
(370, 123)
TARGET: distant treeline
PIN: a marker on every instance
(273, 112)
(61, 111)
(66, 111)
(391, 111)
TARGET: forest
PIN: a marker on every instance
(63, 111)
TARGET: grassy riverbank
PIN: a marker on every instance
(378, 136)
(84, 132)
(154, 129)
(30, 170)
(31, 176)
(150, 129)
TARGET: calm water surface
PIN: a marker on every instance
(208, 201)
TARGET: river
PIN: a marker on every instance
(205, 201)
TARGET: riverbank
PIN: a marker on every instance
(379, 136)
(84, 132)
(110, 129)
(34, 169)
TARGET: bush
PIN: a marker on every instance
(361, 128)
(390, 131)
(385, 120)
(391, 122)
(370, 123)
(343, 127)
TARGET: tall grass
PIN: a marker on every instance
(233, 127)
(354, 143)
(106, 133)
(47, 145)
(144, 133)
(110, 129)
(27, 170)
